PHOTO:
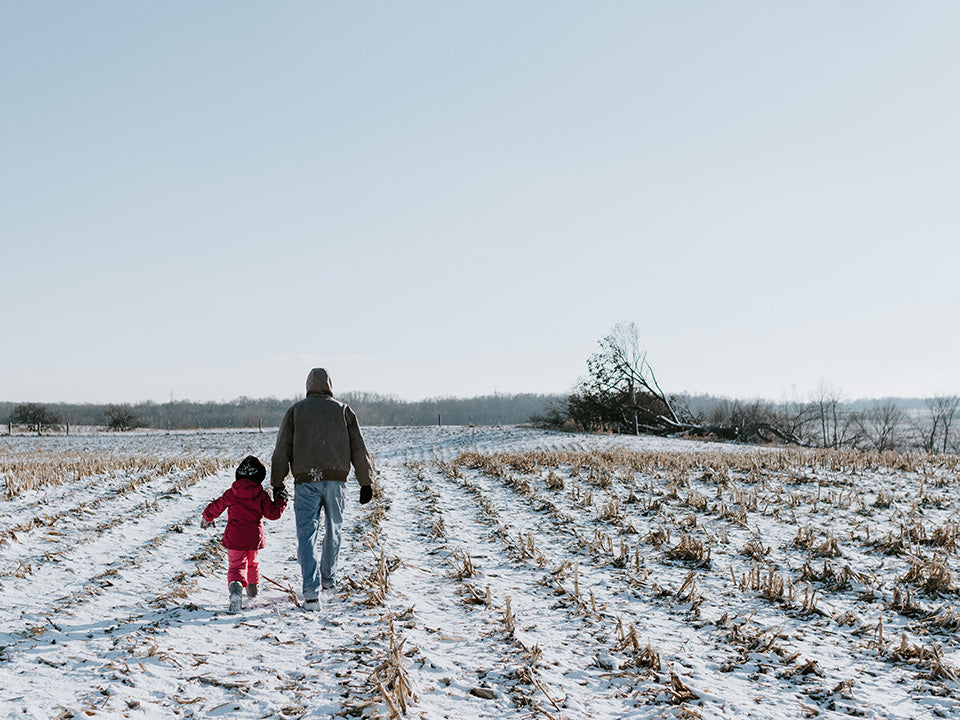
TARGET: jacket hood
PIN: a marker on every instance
(246, 488)
(319, 382)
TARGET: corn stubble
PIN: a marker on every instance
(715, 503)
(863, 543)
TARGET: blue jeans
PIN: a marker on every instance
(310, 500)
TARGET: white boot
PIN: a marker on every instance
(236, 596)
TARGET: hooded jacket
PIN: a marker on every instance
(246, 503)
(320, 438)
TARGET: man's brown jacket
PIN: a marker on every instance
(320, 438)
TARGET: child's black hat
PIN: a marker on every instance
(252, 469)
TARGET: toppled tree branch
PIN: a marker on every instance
(622, 394)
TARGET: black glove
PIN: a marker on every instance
(206, 523)
(280, 493)
(366, 494)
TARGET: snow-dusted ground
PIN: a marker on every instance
(500, 572)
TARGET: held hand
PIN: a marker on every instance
(280, 493)
(366, 494)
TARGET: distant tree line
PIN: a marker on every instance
(247, 412)
(494, 409)
(621, 394)
(902, 424)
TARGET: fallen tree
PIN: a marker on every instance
(621, 394)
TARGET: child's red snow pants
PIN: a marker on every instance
(243, 567)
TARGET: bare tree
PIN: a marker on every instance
(934, 429)
(799, 419)
(948, 413)
(828, 403)
(882, 425)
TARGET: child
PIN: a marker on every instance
(246, 504)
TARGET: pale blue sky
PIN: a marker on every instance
(443, 198)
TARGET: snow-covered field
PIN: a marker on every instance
(499, 573)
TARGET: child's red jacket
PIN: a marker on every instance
(246, 503)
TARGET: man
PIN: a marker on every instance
(318, 440)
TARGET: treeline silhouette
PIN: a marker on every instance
(244, 412)
(373, 409)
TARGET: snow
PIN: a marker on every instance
(499, 572)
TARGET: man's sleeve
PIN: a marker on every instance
(283, 452)
(362, 462)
